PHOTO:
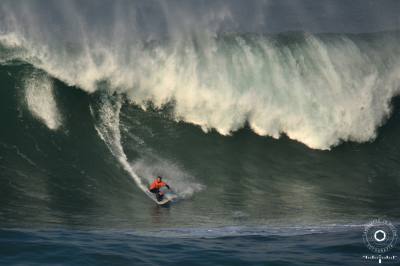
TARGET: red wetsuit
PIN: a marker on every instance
(155, 188)
(157, 185)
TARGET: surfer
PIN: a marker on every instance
(155, 188)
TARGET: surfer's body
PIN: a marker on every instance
(156, 186)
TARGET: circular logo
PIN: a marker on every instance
(380, 236)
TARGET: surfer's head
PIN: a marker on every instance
(159, 178)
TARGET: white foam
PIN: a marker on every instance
(40, 100)
(319, 92)
(320, 95)
(10, 40)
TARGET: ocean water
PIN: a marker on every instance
(313, 247)
(275, 123)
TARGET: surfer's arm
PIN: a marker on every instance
(167, 186)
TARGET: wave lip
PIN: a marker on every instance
(317, 89)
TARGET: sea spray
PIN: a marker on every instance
(312, 90)
(40, 99)
(318, 89)
(181, 182)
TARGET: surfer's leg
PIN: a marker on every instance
(159, 196)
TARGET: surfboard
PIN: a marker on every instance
(168, 197)
(166, 200)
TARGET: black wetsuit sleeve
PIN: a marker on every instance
(167, 186)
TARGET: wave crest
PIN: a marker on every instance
(317, 89)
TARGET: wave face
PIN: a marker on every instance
(97, 101)
(316, 89)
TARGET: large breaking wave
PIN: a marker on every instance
(317, 89)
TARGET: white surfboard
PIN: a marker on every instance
(168, 197)
(166, 200)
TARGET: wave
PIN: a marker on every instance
(68, 176)
(317, 89)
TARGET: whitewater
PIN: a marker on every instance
(318, 89)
